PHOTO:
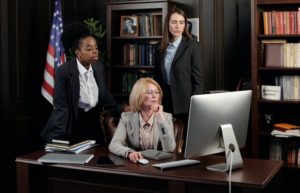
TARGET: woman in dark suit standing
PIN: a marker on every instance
(178, 64)
(80, 91)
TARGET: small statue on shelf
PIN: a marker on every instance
(268, 121)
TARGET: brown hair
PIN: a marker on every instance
(167, 36)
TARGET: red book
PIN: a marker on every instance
(292, 22)
(298, 22)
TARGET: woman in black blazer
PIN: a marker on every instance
(80, 91)
(178, 64)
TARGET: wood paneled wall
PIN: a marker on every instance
(225, 37)
(224, 34)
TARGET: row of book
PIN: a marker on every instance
(290, 87)
(69, 146)
(129, 78)
(286, 88)
(150, 25)
(281, 22)
(287, 151)
(139, 54)
(282, 54)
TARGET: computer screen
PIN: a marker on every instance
(218, 123)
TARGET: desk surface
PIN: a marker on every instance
(256, 173)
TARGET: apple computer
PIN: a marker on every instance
(218, 123)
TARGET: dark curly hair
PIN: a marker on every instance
(73, 34)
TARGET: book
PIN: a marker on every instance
(273, 41)
(65, 158)
(275, 149)
(61, 141)
(75, 145)
(285, 134)
(274, 55)
(286, 127)
(67, 140)
(75, 148)
(270, 92)
(74, 151)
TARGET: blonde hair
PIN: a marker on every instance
(138, 92)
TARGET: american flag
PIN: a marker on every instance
(55, 54)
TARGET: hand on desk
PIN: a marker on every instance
(134, 156)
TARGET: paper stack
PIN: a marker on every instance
(64, 146)
(286, 130)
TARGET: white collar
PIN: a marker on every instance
(82, 69)
(176, 42)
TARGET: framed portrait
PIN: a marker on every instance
(129, 25)
(193, 27)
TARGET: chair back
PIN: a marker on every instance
(178, 134)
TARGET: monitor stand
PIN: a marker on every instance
(231, 149)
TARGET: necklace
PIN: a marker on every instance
(146, 119)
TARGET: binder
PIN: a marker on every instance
(65, 158)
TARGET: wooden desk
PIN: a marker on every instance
(256, 176)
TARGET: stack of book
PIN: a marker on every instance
(286, 130)
(58, 145)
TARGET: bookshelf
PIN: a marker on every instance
(131, 56)
(275, 26)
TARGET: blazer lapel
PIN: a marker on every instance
(180, 49)
(74, 84)
(96, 74)
(155, 133)
(135, 125)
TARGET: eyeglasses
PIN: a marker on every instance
(151, 92)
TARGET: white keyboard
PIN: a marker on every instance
(177, 163)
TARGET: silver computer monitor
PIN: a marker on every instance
(218, 123)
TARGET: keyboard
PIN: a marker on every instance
(175, 164)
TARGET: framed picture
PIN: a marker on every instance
(193, 27)
(129, 26)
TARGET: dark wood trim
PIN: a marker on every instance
(219, 43)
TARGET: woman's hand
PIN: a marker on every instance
(134, 156)
(158, 112)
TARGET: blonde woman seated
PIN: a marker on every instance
(147, 126)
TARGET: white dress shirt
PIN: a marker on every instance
(89, 92)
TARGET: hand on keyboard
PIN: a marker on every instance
(177, 163)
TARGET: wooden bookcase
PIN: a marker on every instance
(132, 56)
(282, 110)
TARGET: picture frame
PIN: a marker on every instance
(193, 23)
(129, 25)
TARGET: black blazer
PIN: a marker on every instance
(186, 74)
(66, 99)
